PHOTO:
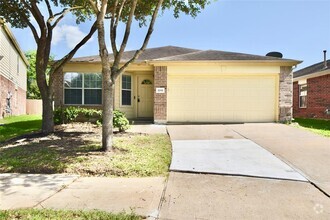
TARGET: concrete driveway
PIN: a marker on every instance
(235, 196)
(218, 149)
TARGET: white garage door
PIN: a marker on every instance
(221, 98)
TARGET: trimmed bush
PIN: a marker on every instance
(71, 114)
(120, 121)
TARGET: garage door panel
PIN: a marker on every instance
(221, 98)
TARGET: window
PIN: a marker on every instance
(303, 96)
(146, 82)
(126, 90)
(83, 89)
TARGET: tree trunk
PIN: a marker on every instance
(107, 88)
(107, 117)
(47, 115)
(45, 89)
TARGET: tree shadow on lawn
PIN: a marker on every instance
(49, 154)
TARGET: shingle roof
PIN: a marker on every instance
(217, 55)
(312, 69)
(171, 53)
(148, 54)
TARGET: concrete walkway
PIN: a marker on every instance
(142, 195)
(28, 190)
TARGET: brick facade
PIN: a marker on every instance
(160, 99)
(318, 98)
(286, 94)
(18, 99)
(58, 89)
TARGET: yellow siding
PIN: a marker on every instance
(211, 69)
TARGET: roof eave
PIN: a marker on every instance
(311, 75)
(279, 62)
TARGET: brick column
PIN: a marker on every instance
(286, 94)
(58, 89)
(160, 99)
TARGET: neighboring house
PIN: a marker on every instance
(13, 70)
(174, 84)
(311, 89)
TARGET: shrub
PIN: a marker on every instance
(70, 114)
(66, 115)
(120, 121)
(91, 114)
(58, 116)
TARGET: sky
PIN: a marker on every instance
(299, 29)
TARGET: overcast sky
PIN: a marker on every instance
(298, 29)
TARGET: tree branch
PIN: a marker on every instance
(49, 8)
(145, 42)
(38, 16)
(33, 29)
(61, 15)
(126, 35)
(94, 6)
(59, 64)
(113, 30)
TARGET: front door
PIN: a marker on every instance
(145, 100)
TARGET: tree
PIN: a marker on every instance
(32, 87)
(22, 14)
(126, 11)
(33, 91)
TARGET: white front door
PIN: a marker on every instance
(145, 96)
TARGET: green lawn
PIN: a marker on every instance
(134, 155)
(41, 214)
(317, 126)
(18, 125)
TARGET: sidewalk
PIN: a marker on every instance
(140, 195)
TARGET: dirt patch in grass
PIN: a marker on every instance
(76, 149)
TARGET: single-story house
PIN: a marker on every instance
(13, 73)
(311, 91)
(175, 84)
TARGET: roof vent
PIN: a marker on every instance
(325, 59)
(274, 54)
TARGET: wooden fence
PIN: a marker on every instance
(33, 107)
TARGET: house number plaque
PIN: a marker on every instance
(160, 90)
